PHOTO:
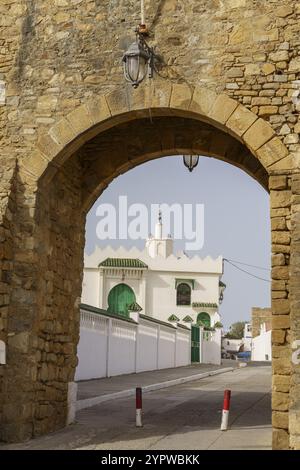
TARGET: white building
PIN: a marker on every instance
(247, 339)
(155, 282)
(262, 344)
(231, 347)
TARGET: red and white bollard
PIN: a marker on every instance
(138, 406)
(225, 412)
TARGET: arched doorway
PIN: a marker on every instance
(67, 171)
(119, 298)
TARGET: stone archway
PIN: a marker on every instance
(57, 185)
(124, 105)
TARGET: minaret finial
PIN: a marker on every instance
(159, 215)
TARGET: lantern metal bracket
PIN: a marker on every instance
(141, 34)
(148, 53)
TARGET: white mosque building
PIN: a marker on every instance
(155, 282)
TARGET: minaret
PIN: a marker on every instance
(158, 227)
(158, 245)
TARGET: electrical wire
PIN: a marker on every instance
(246, 272)
(245, 264)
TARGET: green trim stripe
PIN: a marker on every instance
(105, 313)
(205, 305)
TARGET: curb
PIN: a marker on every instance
(89, 402)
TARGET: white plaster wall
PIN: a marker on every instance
(126, 348)
(166, 354)
(161, 295)
(147, 346)
(92, 352)
(90, 287)
(262, 347)
(183, 349)
(215, 317)
(122, 348)
(211, 347)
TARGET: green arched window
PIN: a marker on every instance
(203, 318)
(183, 294)
(119, 299)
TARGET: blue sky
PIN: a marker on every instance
(237, 224)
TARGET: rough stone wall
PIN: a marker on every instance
(70, 50)
(260, 316)
(56, 55)
(8, 206)
(43, 310)
(294, 405)
(60, 245)
(11, 19)
(280, 187)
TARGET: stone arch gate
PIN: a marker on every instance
(71, 165)
(67, 128)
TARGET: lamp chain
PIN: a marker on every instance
(142, 12)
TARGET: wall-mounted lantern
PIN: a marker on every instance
(222, 288)
(137, 61)
(140, 58)
(191, 161)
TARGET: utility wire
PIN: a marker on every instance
(245, 264)
(246, 272)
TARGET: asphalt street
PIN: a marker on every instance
(182, 417)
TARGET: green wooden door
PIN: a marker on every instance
(195, 353)
(119, 299)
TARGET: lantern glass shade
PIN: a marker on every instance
(190, 161)
(135, 62)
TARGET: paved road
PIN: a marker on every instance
(186, 416)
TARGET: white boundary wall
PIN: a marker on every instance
(211, 347)
(262, 345)
(111, 346)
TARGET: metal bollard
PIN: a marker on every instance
(138, 406)
(225, 412)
